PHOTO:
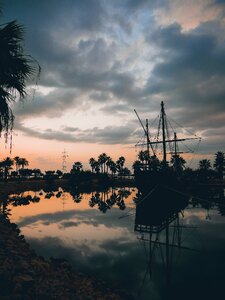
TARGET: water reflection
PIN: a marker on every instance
(182, 238)
(105, 200)
(157, 222)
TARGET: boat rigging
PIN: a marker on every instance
(166, 141)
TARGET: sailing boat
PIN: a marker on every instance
(155, 172)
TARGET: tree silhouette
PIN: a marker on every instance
(96, 167)
(26, 172)
(17, 162)
(142, 156)
(204, 170)
(37, 173)
(23, 162)
(77, 167)
(16, 68)
(59, 173)
(178, 163)
(125, 172)
(120, 163)
(154, 163)
(204, 164)
(6, 165)
(102, 159)
(108, 163)
(113, 168)
(219, 163)
(92, 163)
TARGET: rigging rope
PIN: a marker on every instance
(195, 150)
(184, 128)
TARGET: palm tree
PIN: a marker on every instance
(113, 168)
(204, 170)
(108, 163)
(23, 162)
(96, 167)
(204, 165)
(120, 163)
(16, 68)
(17, 162)
(92, 163)
(102, 159)
(178, 163)
(219, 163)
(6, 164)
(154, 163)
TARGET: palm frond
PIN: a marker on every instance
(16, 69)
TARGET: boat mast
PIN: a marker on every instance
(163, 116)
(175, 143)
(146, 131)
(147, 136)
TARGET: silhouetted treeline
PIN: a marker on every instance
(205, 172)
(104, 170)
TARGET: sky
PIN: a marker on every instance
(102, 59)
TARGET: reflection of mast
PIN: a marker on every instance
(157, 238)
(159, 229)
(64, 161)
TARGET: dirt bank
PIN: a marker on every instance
(24, 275)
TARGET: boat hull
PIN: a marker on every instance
(146, 180)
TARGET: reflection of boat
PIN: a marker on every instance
(158, 208)
(157, 222)
(151, 171)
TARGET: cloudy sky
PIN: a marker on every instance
(101, 59)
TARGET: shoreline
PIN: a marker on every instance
(25, 275)
(15, 187)
(19, 186)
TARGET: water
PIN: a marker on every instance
(182, 259)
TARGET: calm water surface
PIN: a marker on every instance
(96, 233)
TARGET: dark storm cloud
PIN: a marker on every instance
(77, 45)
(191, 74)
(53, 105)
(68, 47)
